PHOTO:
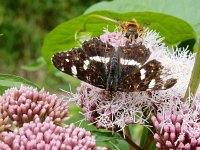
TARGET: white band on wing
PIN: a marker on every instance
(100, 59)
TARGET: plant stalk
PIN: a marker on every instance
(148, 141)
(128, 134)
(195, 77)
(133, 146)
(99, 17)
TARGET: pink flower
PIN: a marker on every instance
(124, 109)
(47, 136)
(178, 126)
(5, 121)
(18, 106)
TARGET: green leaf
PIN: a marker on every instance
(153, 145)
(69, 79)
(40, 62)
(105, 136)
(8, 81)
(144, 136)
(78, 119)
(136, 132)
(123, 145)
(64, 37)
(187, 10)
(195, 77)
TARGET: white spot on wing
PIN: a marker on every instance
(129, 62)
(86, 63)
(106, 59)
(67, 60)
(74, 70)
(161, 76)
(96, 58)
(163, 87)
(142, 72)
(100, 59)
(152, 84)
(62, 69)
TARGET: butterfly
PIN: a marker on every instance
(123, 68)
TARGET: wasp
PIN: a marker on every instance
(132, 30)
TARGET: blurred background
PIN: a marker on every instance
(23, 26)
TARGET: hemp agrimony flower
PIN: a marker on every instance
(46, 135)
(18, 106)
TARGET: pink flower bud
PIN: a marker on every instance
(46, 135)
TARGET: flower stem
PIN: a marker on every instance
(128, 134)
(133, 146)
(148, 141)
(195, 77)
(99, 17)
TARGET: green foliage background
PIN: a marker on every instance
(23, 25)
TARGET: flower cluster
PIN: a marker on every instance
(5, 121)
(46, 135)
(21, 105)
(115, 114)
(177, 126)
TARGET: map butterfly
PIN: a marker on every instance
(123, 68)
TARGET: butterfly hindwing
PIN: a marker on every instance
(132, 57)
(137, 52)
(148, 77)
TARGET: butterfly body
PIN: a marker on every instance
(124, 68)
(113, 73)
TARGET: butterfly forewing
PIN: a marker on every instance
(96, 48)
(100, 52)
(76, 63)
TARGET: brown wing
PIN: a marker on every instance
(77, 64)
(148, 77)
(95, 47)
(132, 57)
